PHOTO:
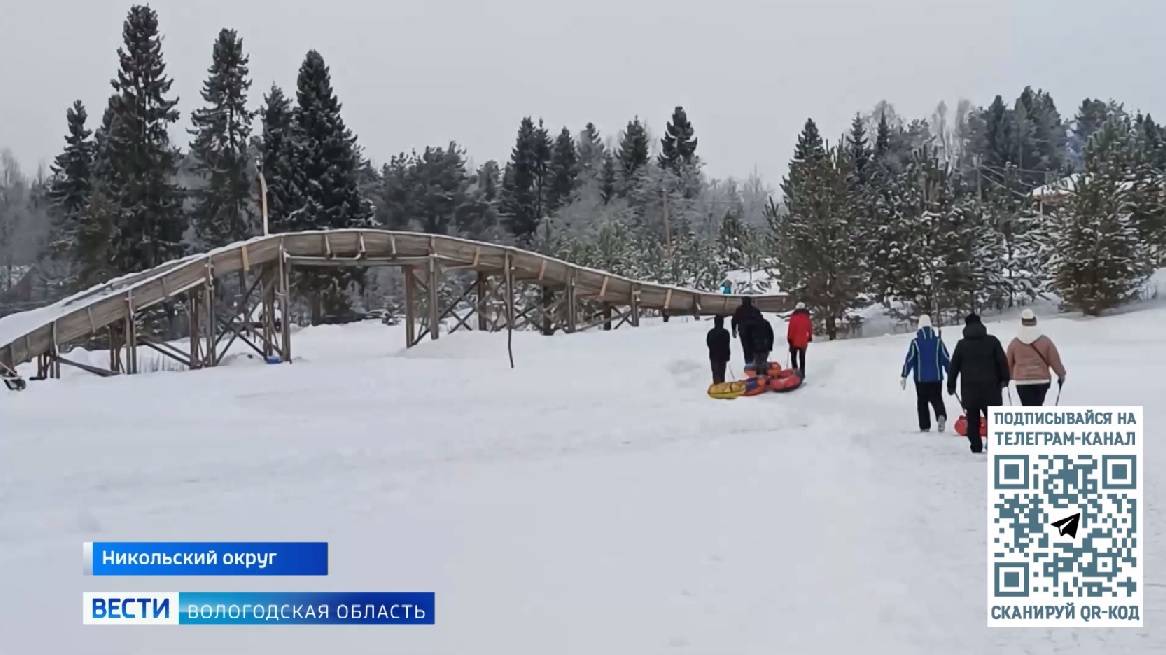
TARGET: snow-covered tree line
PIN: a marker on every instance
(993, 207)
(928, 214)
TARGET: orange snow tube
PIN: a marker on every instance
(787, 380)
(755, 386)
(961, 426)
(773, 371)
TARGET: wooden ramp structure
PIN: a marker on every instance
(495, 287)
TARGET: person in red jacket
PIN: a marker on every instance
(799, 335)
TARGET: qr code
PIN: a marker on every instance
(1065, 526)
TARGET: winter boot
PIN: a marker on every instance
(939, 421)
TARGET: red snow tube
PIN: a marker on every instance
(961, 426)
(754, 386)
(787, 380)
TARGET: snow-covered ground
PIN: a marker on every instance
(592, 500)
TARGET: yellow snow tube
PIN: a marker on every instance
(727, 390)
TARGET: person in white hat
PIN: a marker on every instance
(927, 359)
(1030, 356)
(799, 335)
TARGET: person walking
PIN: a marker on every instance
(1030, 356)
(980, 364)
(927, 359)
(718, 343)
(743, 319)
(762, 334)
(799, 334)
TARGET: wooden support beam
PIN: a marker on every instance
(607, 315)
(572, 302)
(480, 283)
(96, 370)
(282, 296)
(131, 331)
(56, 372)
(194, 316)
(208, 302)
(167, 351)
(410, 307)
(434, 315)
(509, 273)
(635, 306)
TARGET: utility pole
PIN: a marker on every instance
(262, 194)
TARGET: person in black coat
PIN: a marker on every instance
(743, 319)
(718, 343)
(980, 363)
(761, 334)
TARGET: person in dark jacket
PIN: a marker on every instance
(718, 343)
(743, 318)
(761, 332)
(980, 361)
(927, 358)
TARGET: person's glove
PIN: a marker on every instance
(734, 334)
(1061, 381)
(903, 383)
(951, 391)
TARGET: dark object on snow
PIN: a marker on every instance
(12, 379)
(742, 325)
(718, 341)
(982, 369)
(929, 396)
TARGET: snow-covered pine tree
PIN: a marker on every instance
(590, 153)
(1099, 259)
(276, 155)
(819, 257)
(678, 149)
(326, 157)
(608, 179)
(148, 221)
(69, 192)
(95, 222)
(731, 242)
(325, 152)
(522, 200)
(224, 210)
(632, 155)
(563, 171)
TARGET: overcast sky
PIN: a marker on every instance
(416, 72)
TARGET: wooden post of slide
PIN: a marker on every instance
(208, 301)
(194, 315)
(509, 275)
(410, 307)
(434, 310)
(480, 286)
(283, 295)
(635, 306)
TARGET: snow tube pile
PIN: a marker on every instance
(727, 390)
(773, 371)
(787, 380)
(961, 427)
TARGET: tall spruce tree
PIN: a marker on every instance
(148, 220)
(327, 160)
(882, 138)
(325, 153)
(633, 152)
(95, 223)
(608, 179)
(223, 209)
(69, 193)
(1099, 258)
(524, 186)
(563, 170)
(819, 251)
(590, 153)
(277, 156)
(678, 147)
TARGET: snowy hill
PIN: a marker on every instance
(592, 500)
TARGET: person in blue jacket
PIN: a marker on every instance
(927, 358)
